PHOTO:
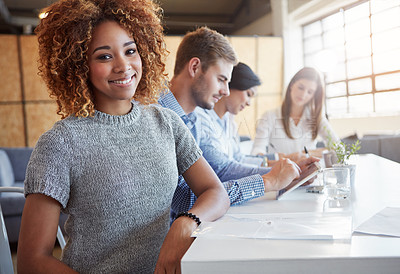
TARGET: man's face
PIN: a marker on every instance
(208, 87)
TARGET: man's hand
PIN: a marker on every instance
(175, 245)
(281, 175)
(303, 164)
(295, 157)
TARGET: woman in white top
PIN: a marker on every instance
(220, 131)
(299, 121)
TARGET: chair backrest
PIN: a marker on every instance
(19, 158)
(6, 171)
(6, 264)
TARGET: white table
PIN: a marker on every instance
(377, 186)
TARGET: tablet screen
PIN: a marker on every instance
(313, 170)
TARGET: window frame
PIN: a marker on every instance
(308, 54)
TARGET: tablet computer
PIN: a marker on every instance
(312, 170)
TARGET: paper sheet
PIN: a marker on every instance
(386, 222)
(294, 226)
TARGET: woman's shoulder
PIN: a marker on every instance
(156, 108)
(202, 111)
(58, 135)
(273, 113)
(205, 116)
(159, 112)
(62, 126)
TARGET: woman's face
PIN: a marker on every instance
(302, 92)
(239, 99)
(115, 66)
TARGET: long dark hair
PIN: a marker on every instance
(315, 104)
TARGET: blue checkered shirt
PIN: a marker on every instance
(239, 190)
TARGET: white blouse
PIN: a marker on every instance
(271, 136)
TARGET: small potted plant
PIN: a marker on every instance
(343, 152)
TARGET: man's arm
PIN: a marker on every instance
(239, 191)
(245, 189)
(226, 168)
(213, 140)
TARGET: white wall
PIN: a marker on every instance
(363, 126)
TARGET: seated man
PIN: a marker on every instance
(203, 69)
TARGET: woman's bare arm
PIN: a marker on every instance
(212, 203)
(38, 235)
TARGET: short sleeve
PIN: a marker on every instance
(48, 171)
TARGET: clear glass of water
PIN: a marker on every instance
(337, 183)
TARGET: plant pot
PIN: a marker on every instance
(352, 170)
(330, 158)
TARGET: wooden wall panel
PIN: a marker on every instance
(245, 48)
(12, 133)
(34, 87)
(270, 64)
(9, 69)
(40, 117)
(270, 71)
(172, 43)
(265, 56)
(262, 54)
(268, 102)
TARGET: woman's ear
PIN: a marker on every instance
(194, 66)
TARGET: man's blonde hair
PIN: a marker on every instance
(207, 45)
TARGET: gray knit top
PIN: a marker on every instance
(115, 176)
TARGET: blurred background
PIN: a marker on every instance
(354, 43)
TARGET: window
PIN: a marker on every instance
(358, 50)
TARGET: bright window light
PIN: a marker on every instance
(358, 50)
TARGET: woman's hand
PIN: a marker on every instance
(176, 243)
(212, 202)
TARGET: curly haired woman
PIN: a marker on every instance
(112, 163)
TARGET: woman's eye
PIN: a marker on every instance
(104, 57)
(130, 51)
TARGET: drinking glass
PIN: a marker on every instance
(337, 183)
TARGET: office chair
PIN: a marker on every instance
(6, 264)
